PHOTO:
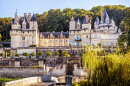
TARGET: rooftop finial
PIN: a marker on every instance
(16, 10)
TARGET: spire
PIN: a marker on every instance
(16, 10)
(72, 19)
(33, 17)
(78, 21)
(97, 20)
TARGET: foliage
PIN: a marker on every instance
(40, 53)
(64, 52)
(0, 45)
(32, 54)
(17, 55)
(8, 54)
(33, 46)
(56, 53)
(67, 55)
(99, 44)
(48, 53)
(111, 70)
(3, 79)
(25, 54)
(1, 54)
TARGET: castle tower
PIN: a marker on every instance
(72, 24)
(96, 23)
(86, 22)
(78, 24)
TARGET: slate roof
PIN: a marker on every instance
(84, 20)
(55, 34)
(33, 18)
(97, 20)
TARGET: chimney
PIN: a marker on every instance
(16, 18)
(102, 16)
(29, 16)
(87, 18)
(25, 14)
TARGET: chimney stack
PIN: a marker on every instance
(25, 14)
(87, 18)
(16, 18)
(29, 16)
(102, 16)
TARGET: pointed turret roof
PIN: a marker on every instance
(25, 21)
(84, 20)
(105, 16)
(97, 20)
(72, 19)
(78, 21)
(33, 18)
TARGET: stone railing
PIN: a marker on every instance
(23, 82)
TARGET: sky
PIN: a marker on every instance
(8, 7)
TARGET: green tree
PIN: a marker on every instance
(64, 52)
(32, 54)
(56, 53)
(25, 54)
(40, 53)
(48, 53)
(17, 55)
(1, 54)
(67, 55)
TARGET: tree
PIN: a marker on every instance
(1, 54)
(40, 53)
(64, 52)
(8, 54)
(67, 55)
(48, 53)
(32, 54)
(25, 54)
(56, 53)
(17, 55)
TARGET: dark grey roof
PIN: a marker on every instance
(116, 33)
(56, 34)
(33, 18)
(13, 21)
(79, 21)
(27, 24)
(85, 20)
(97, 20)
(22, 30)
(106, 26)
(75, 30)
(72, 19)
(5, 42)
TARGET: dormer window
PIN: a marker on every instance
(78, 26)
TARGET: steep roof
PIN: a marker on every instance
(33, 18)
(72, 20)
(84, 20)
(97, 20)
(55, 34)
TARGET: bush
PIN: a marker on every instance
(40, 53)
(17, 55)
(33, 46)
(99, 44)
(32, 54)
(3, 79)
(0, 45)
(64, 52)
(1, 54)
(67, 55)
(56, 53)
(8, 54)
(25, 54)
(48, 53)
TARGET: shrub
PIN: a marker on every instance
(32, 54)
(40, 53)
(0, 45)
(8, 54)
(33, 46)
(17, 55)
(56, 53)
(99, 44)
(67, 55)
(1, 54)
(64, 52)
(48, 53)
(25, 54)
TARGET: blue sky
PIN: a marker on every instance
(8, 7)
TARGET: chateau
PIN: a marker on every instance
(25, 35)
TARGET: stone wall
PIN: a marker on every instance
(16, 72)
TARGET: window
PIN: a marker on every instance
(55, 40)
(95, 36)
(23, 38)
(77, 43)
(32, 42)
(50, 40)
(87, 36)
(60, 40)
(32, 38)
(78, 26)
(66, 40)
(23, 44)
(112, 43)
(77, 37)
